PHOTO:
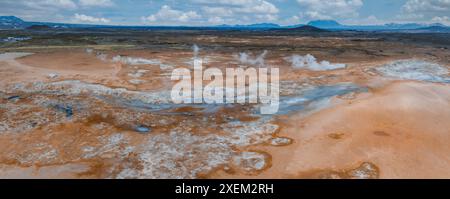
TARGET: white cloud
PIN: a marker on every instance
(167, 15)
(217, 11)
(317, 9)
(62, 4)
(43, 10)
(216, 20)
(412, 6)
(267, 17)
(190, 12)
(291, 20)
(443, 20)
(242, 6)
(257, 7)
(370, 20)
(99, 3)
(425, 11)
(212, 12)
(238, 11)
(81, 18)
(315, 15)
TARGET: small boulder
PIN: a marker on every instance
(52, 75)
(142, 129)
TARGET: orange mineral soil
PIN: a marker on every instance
(107, 113)
(398, 131)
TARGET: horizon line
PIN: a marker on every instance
(194, 26)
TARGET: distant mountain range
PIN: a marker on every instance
(305, 28)
(259, 25)
(333, 25)
(12, 22)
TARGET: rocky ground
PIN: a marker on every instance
(94, 104)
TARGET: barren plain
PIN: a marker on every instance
(95, 103)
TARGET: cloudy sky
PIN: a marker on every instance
(213, 12)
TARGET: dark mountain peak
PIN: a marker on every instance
(11, 22)
(11, 19)
(324, 23)
(39, 27)
(307, 28)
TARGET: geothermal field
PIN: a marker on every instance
(96, 103)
